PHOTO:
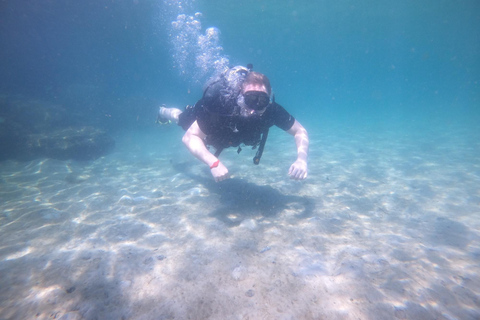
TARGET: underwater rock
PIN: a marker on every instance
(34, 116)
(32, 129)
(76, 143)
(80, 143)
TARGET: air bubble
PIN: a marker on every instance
(197, 55)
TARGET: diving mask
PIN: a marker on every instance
(256, 100)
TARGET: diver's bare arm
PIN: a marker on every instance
(298, 170)
(193, 139)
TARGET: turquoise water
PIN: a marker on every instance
(386, 225)
(382, 60)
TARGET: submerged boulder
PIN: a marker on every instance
(32, 129)
(77, 143)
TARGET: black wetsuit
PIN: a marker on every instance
(218, 116)
(225, 131)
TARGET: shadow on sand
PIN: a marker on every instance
(240, 199)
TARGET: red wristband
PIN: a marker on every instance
(215, 164)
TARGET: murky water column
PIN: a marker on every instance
(196, 54)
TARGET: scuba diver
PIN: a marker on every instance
(237, 108)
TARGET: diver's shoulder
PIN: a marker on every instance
(274, 106)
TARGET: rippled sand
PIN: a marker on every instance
(387, 226)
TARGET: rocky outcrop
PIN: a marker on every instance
(78, 143)
(30, 130)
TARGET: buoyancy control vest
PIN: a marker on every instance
(223, 121)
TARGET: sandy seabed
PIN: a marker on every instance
(387, 226)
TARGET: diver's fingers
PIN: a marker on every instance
(220, 172)
(293, 173)
(303, 176)
(297, 174)
(221, 178)
(292, 170)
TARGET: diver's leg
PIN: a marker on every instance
(168, 114)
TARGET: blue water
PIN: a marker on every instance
(388, 91)
(382, 60)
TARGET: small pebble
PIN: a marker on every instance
(71, 289)
(250, 293)
(239, 273)
(265, 249)
(148, 260)
(161, 257)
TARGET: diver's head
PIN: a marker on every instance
(256, 92)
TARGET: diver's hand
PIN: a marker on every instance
(220, 172)
(298, 170)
